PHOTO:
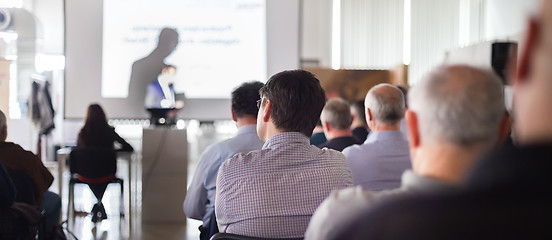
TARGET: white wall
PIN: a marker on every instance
(508, 18)
(316, 27)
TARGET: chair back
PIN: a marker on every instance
(229, 236)
(25, 187)
(93, 162)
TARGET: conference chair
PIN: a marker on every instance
(95, 167)
(229, 236)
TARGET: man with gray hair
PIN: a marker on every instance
(454, 117)
(336, 120)
(378, 163)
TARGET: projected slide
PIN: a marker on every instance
(214, 44)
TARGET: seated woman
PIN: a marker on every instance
(97, 132)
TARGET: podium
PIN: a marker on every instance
(164, 175)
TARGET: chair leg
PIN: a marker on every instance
(122, 203)
(71, 200)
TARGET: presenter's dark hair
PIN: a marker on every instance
(297, 100)
(244, 99)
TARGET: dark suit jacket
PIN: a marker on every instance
(339, 143)
(507, 196)
(360, 133)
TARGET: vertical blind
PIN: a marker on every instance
(435, 29)
(371, 33)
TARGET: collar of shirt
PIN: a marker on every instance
(384, 136)
(252, 128)
(411, 180)
(286, 138)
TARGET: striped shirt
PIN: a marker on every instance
(273, 192)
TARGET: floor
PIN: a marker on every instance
(200, 135)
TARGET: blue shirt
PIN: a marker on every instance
(272, 192)
(200, 198)
(378, 164)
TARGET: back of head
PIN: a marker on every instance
(458, 104)
(94, 131)
(244, 99)
(386, 103)
(95, 116)
(357, 109)
(337, 114)
(405, 94)
(297, 100)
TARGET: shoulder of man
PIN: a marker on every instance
(15, 148)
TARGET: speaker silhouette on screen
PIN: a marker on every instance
(147, 69)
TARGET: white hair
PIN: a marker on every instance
(337, 113)
(386, 103)
(458, 104)
(2, 119)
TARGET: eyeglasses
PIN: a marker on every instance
(259, 102)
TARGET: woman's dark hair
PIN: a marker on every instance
(93, 133)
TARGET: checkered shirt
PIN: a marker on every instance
(273, 192)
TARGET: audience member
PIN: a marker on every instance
(336, 119)
(19, 220)
(318, 136)
(379, 162)
(359, 126)
(97, 132)
(15, 158)
(200, 197)
(272, 192)
(443, 146)
(506, 194)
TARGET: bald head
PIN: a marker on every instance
(385, 103)
(458, 104)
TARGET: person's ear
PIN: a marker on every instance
(413, 129)
(368, 114)
(233, 115)
(504, 129)
(525, 60)
(267, 111)
(325, 126)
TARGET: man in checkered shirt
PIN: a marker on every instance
(273, 192)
